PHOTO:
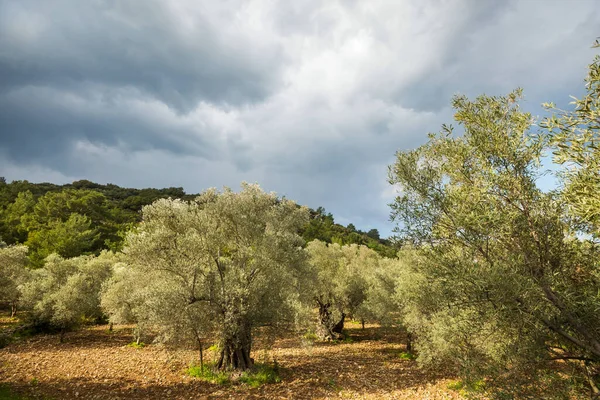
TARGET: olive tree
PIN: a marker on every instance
(502, 278)
(340, 283)
(123, 297)
(576, 145)
(156, 304)
(13, 274)
(65, 291)
(380, 304)
(220, 265)
(385, 300)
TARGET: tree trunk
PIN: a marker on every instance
(590, 375)
(201, 351)
(339, 327)
(327, 328)
(110, 327)
(409, 343)
(61, 337)
(235, 354)
(13, 309)
(137, 334)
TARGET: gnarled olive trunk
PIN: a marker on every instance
(409, 342)
(200, 351)
(327, 327)
(235, 353)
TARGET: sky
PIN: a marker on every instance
(310, 99)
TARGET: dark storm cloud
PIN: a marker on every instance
(142, 44)
(44, 125)
(52, 52)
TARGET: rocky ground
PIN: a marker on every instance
(94, 363)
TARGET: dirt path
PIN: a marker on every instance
(96, 364)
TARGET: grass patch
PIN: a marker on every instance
(25, 333)
(408, 356)
(215, 347)
(455, 385)
(5, 340)
(208, 374)
(19, 334)
(309, 339)
(16, 330)
(8, 323)
(261, 374)
(7, 394)
(333, 385)
(137, 345)
(466, 388)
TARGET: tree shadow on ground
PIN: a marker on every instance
(122, 389)
(96, 337)
(359, 368)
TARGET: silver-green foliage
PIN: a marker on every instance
(340, 281)
(575, 138)
(13, 273)
(501, 280)
(123, 297)
(380, 303)
(64, 292)
(213, 268)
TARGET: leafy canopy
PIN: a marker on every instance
(501, 277)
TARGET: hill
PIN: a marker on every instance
(85, 217)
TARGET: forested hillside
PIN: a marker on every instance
(84, 217)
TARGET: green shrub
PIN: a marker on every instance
(137, 345)
(333, 385)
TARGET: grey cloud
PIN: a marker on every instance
(56, 51)
(520, 44)
(41, 125)
(139, 44)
